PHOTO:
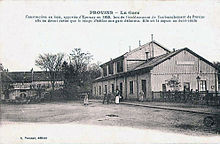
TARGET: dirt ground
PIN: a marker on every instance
(107, 115)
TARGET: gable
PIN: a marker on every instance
(184, 61)
(153, 48)
(139, 55)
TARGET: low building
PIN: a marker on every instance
(22, 83)
(151, 68)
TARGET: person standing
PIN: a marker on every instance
(141, 98)
(117, 96)
(108, 97)
(104, 98)
(86, 99)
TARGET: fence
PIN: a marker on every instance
(207, 98)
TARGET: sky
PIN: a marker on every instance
(22, 40)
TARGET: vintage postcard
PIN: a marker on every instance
(109, 72)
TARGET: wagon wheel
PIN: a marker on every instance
(208, 121)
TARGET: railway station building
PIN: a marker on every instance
(151, 67)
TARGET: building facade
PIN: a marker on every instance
(15, 84)
(152, 68)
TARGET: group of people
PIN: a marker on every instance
(108, 97)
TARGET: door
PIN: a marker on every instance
(106, 89)
(121, 88)
(143, 87)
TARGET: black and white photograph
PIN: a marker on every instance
(109, 72)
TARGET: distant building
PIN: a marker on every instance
(150, 68)
(17, 83)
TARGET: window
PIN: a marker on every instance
(186, 86)
(131, 87)
(164, 87)
(203, 86)
(100, 90)
(110, 68)
(120, 66)
(94, 90)
(106, 89)
(113, 88)
(105, 71)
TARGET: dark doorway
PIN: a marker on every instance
(106, 89)
(121, 88)
(143, 87)
(113, 88)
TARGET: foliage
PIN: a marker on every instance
(173, 83)
(78, 72)
(75, 70)
(51, 63)
(94, 70)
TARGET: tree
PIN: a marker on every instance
(78, 65)
(51, 63)
(94, 70)
(76, 71)
(173, 83)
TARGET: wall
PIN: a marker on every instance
(147, 77)
(186, 67)
(137, 86)
(134, 95)
(95, 89)
(121, 80)
(140, 54)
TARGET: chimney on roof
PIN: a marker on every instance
(129, 48)
(147, 55)
(139, 43)
(174, 49)
(152, 45)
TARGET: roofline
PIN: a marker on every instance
(160, 45)
(155, 42)
(113, 60)
(205, 60)
(190, 51)
(122, 56)
(132, 72)
(151, 67)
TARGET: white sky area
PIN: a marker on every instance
(22, 40)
